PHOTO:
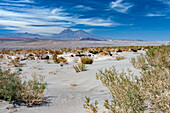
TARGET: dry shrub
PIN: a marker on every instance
(31, 57)
(133, 62)
(139, 62)
(135, 53)
(86, 60)
(120, 58)
(124, 90)
(10, 58)
(80, 67)
(148, 93)
(76, 69)
(16, 63)
(52, 73)
(1, 56)
(12, 88)
(90, 107)
(54, 57)
(75, 60)
(59, 60)
(39, 67)
(62, 60)
(159, 56)
(73, 84)
(47, 61)
(33, 90)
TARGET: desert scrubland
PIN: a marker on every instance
(69, 80)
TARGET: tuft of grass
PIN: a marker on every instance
(120, 58)
(76, 69)
(80, 67)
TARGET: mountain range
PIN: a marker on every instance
(64, 35)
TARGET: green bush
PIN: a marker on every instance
(33, 90)
(148, 93)
(10, 84)
(86, 60)
(124, 90)
(12, 88)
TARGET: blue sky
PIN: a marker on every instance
(118, 19)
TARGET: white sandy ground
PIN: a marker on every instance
(74, 44)
(64, 98)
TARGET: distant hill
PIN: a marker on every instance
(90, 39)
(66, 34)
(69, 34)
(21, 35)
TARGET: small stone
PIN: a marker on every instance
(10, 106)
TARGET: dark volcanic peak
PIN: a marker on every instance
(80, 32)
(69, 34)
(66, 31)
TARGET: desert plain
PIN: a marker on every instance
(66, 88)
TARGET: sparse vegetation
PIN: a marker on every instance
(148, 93)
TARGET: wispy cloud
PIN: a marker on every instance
(45, 20)
(11, 4)
(20, 1)
(120, 6)
(84, 8)
(155, 15)
(165, 2)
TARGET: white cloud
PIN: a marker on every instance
(9, 4)
(152, 15)
(20, 1)
(84, 8)
(44, 20)
(165, 2)
(6, 13)
(120, 6)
